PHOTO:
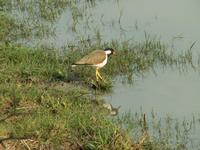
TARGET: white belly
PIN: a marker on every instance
(102, 64)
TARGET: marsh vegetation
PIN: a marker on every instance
(45, 104)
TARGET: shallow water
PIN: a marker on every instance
(172, 20)
(176, 23)
(166, 92)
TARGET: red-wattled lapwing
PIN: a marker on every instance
(97, 59)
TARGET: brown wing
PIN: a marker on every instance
(94, 57)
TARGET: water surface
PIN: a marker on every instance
(166, 92)
(176, 23)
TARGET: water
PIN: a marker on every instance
(175, 22)
(166, 92)
(170, 20)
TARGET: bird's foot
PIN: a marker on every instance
(98, 76)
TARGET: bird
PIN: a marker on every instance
(97, 59)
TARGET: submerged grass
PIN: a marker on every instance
(157, 133)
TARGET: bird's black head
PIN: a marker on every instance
(110, 51)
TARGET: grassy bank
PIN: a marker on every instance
(40, 110)
(44, 104)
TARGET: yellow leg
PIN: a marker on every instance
(98, 75)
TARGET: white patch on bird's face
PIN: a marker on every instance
(108, 52)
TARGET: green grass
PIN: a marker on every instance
(55, 120)
(37, 104)
(20, 63)
(56, 117)
(6, 24)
